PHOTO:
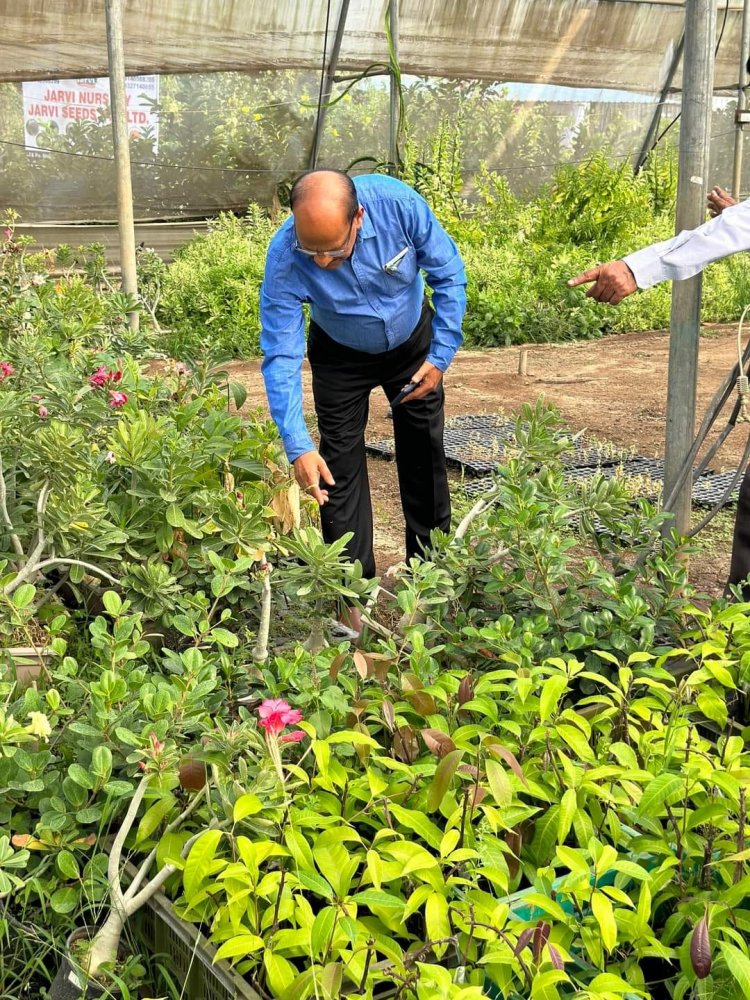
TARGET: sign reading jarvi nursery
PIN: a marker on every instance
(53, 105)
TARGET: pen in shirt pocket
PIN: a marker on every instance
(392, 265)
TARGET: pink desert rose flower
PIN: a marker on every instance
(42, 411)
(103, 376)
(295, 736)
(6, 369)
(8, 235)
(117, 399)
(276, 714)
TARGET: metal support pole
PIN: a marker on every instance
(395, 96)
(120, 135)
(697, 93)
(653, 128)
(741, 101)
(328, 84)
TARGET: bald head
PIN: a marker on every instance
(333, 187)
(326, 213)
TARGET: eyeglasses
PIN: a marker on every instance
(334, 254)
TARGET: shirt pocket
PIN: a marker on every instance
(399, 272)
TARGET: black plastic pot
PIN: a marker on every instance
(69, 983)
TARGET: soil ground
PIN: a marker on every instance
(614, 388)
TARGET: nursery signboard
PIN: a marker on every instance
(60, 103)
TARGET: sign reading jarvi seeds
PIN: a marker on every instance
(54, 105)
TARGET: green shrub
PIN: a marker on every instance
(211, 291)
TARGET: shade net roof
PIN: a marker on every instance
(225, 95)
(624, 44)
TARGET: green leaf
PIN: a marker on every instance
(608, 983)
(238, 393)
(658, 791)
(321, 931)
(239, 947)
(350, 736)
(225, 638)
(739, 966)
(280, 973)
(175, 517)
(544, 986)
(605, 917)
(315, 883)
(112, 603)
(437, 920)
(442, 778)
(574, 860)
(246, 805)
(299, 849)
(153, 818)
(576, 741)
(23, 596)
(499, 783)
(67, 865)
(552, 690)
(198, 863)
(64, 900)
(376, 897)
(568, 809)
(374, 868)
(419, 823)
(81, 776)
(101, 762)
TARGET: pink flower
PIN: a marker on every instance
(103, 376)
(294, 737)
(42, 411)
(117, 399)
(7, 235)
(181, 368)
(6, 369)
(275, 715)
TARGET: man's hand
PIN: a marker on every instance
(428, 378)
(309, 469)
(613, 282)
(718, 199)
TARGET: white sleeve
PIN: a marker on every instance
(693, 249)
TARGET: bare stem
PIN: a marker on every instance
(260, 652)
(15, 540)
(28, 571)
(145, 865)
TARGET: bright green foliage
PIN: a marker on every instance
(210, 293)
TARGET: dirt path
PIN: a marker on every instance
(614, 388)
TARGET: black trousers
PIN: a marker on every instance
(342, 380)
(739, 568)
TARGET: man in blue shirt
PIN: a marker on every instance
(353, 250)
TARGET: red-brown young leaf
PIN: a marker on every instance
(498, 750)
(438, 742)
(336, 664)
(422, 702)
(555, 957)
(389, 715)
(541, 934)
(360, 664)
(524, 938)
(700, 949)
(406, 744)
(465, 689)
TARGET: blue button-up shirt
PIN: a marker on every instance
(359, 304)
